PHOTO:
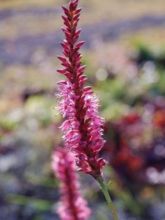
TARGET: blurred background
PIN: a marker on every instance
(125, 59)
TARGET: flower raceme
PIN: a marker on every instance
(72, 205)
(82, 126)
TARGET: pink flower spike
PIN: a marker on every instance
(82, 130)
(72, 206)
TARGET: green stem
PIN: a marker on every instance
(104, 189)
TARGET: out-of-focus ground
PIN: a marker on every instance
(125, 59)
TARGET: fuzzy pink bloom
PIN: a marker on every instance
(72, 205)
(82, 127)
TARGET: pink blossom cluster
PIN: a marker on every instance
(82, 126)
(72, 206)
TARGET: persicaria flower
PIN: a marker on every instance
(72, 205)
(82, 127)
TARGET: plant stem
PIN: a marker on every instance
(104, 189)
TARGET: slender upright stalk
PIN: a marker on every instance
(104, 189)
(82, 127)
